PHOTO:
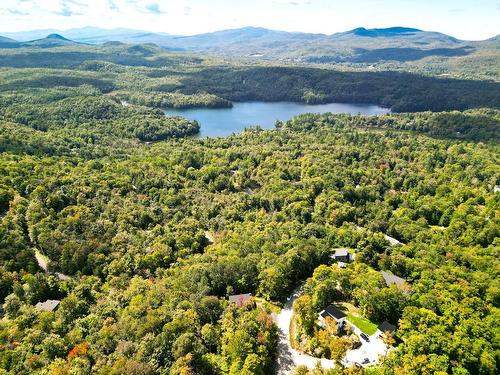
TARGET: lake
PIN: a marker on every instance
(222, 122)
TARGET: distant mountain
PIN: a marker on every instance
(360, 45)
(92, 35)
(7, 42)
(52, 40)
(26, 36)
(388, 32)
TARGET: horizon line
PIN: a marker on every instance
(237, 28)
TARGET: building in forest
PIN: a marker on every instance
(342, 255)
(337, 315)
(240, 299)
(391, 279)
(49, 305)
(386, 327)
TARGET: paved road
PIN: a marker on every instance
(289, 358)
(43, 262)
(392, 240)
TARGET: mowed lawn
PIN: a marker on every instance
(354, 316)
(363, 324)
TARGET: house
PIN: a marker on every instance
(240, 299)
(342, 255)
(49, 305)
(333, 313)
(386, 327)
(393, 279)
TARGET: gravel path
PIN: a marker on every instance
(289, 358)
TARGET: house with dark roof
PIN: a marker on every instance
(49, 305)
(386, 327)
(331, 312)
(342, 255)
(240, 299)
(393, 279)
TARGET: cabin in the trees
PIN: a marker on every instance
(49, 305)
(342, 255)
(386, 327)
(390, 279)
(335, 314)
(240, 299)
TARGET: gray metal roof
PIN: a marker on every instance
(333, 312)
(341, 253)
(392, 279)
(49, 305)
(387, 327)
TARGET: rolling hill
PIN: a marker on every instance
(50, 41)
(7, 42)
(250, 41)
(394, 48)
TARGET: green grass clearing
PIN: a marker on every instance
(267, 305)
(363, 324)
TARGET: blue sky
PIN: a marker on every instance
(466, 19)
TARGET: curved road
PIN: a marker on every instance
(289, 358)
(43, 262)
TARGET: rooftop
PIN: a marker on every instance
(49, 305)
(392, 279)
(387, 327)
(240, 299)
(341, 252)
(333, 312)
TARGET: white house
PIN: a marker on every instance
(342, 255)
(335, 314)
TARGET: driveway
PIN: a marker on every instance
(289, 358)
(371, 350)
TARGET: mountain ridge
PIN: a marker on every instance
(397, 44)
(95, 32)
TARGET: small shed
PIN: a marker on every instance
(49, 305)
(240, 299)
(386, 327)
(342, 255)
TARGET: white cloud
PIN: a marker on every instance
(196, 16)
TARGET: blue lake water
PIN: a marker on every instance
(222, 122)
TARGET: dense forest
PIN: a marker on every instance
(128, 222)
(147, 231)
(147, 75)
